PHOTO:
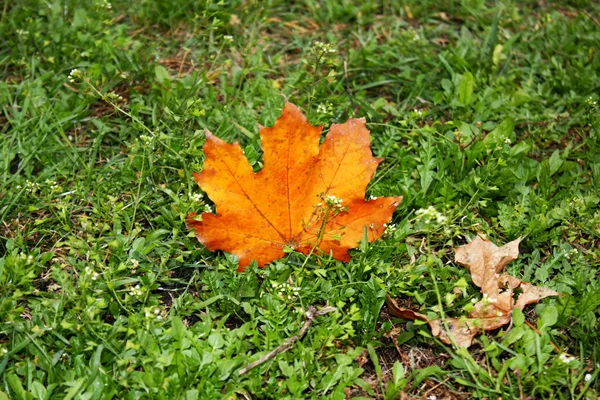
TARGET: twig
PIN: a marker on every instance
(311, 314)
(556, 348)
(594, 20)
(182, 62)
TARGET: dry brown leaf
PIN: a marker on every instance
(485, 261)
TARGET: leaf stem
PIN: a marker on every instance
(319, 236)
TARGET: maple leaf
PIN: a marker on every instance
(485, 261)
(305, 197)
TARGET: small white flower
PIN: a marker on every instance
(135, 263)
(208, 208)
(390, 228)
(507, 141)
(324, 48)
(146, 139)
(334, 201)
(372, 197)
(430, 214)
(587, 377)
(135, 291)
(74, 75)
(196, 197)
(228, 38)
(565, 358)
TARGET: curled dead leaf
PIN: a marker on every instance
(485, 261)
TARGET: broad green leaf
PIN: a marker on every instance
(503, 131)
(161, 74)
(555, 162)
(17, 387)
(518, 317)
(397, 372)
(548, 317)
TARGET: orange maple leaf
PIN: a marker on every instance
(305, 197)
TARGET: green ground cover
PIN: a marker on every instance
(486, 115)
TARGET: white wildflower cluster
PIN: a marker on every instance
(152, 313)
(418, 112)
(324, 48)
(22, 32)
(371, 197)
(112, 96)
(208, 208)
(195, 197)
(106, 4)
(488, 300)
(27, 258)
(591, 102)
(577, 204)
(324, 108)
(146, 139)
(54, 187)
(507, 141)
(286, 290)
(75, 75)
(30, 187)
(135, 291)
(587, 377)
(88, 271)
(333, 202)
(389, 229)
(228, 39)
(566, 359)
(571, 253)
(430, 214)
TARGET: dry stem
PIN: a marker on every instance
(311, 314)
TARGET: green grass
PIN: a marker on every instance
(486, 112)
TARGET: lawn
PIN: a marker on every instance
(487, 116)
